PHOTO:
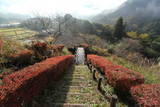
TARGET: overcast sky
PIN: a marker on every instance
(46, 7)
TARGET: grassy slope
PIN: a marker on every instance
(150, 73)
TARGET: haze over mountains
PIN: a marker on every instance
(139, 14)
(11, 17)
(133, 11)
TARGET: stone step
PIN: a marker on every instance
(73, 89)
(76, 75)
(76, 87)
(74, 78)
(81, 98)
(72, 98)
(71, 81)
(65, 82)
(69, 105)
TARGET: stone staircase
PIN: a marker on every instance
(75, 89)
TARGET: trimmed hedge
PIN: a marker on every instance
(117, 76)
(22, 57)
(23, 85)
(146, 95)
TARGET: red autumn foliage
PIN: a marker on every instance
(3, 74)
(57, 49)
(22, 57)
(39, 48)
(42, 50)
(146, 95)
(84, 45)
(117, 76)
(23, 85)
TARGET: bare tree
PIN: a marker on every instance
(39, 23)
(60, 21)
(52, 25)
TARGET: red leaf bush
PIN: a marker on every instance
(23, 85)
(84, 45)
(57, 49)
(39, 46)
(117, 76)
(146, 95)
(22, 57)
(40, 49)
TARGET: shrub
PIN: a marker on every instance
(97, 50)
(146, 95)
(151, 53)
(132, 34)
(117, 76)
(56, 50)
(21, 58)
(151, 47)
(23, 85)
(72, 50)
(129, 49)
(150, 73)
(144, 36)
(43, 50)
(65, 51)
(11, 46)
(84, 45)
(39, 48)
(122, 78)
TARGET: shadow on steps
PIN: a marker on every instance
(55, 94)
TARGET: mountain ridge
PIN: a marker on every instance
(133, 9)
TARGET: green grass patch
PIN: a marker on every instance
(65, 51)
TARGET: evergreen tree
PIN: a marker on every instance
(119, 31)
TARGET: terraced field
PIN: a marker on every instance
(16, 33)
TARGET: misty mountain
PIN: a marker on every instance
(101, 15)
(140, 15)
(133, 11)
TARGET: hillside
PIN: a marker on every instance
(137, 13)
(133, 9)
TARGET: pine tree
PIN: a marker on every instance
(119, 31)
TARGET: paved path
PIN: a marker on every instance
(80, 55)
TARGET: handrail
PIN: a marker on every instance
(111, 98)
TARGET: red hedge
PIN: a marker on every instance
(22, 85)
(84, 45)
(21, 57)
(146, 95)
(117, 76)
